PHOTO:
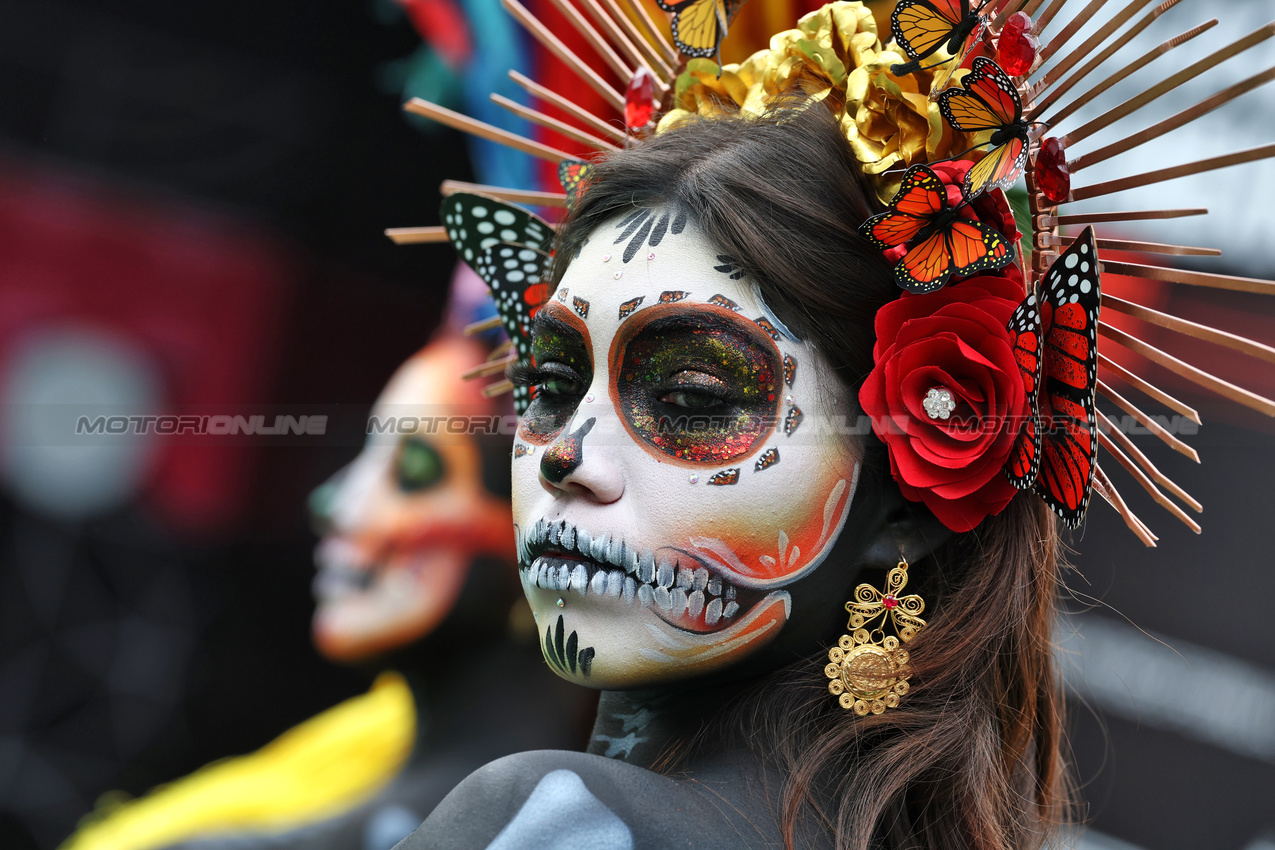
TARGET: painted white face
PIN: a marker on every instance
(683, 460)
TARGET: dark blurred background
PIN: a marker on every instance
(192, 200)
(191, 206)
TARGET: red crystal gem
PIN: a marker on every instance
(1016, 48)
(1052, 175)
(639, 100)
(891, 601)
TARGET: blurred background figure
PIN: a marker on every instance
(416, 572)
(192, 209)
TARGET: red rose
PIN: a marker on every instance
(956, 340)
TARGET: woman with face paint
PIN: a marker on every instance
(695, 502)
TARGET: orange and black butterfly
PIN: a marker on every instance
(921, 27)
(1055, 342)
(989, 101)
(943, 243)
(700, 25)
(573, 174)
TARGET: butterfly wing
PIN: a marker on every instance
(573, 174)
(986, 101)
(1069, 302)
(1000, 168)
(1024, 328)
(921, 27)
(475, 223)
(927, 266)
(699, 25)
(920, 198)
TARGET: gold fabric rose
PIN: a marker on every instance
(834, 55)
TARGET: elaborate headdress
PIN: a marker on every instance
(988, 365)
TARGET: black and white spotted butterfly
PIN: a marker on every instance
(509, 249)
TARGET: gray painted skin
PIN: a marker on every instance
(723, 796)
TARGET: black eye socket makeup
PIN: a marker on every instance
(695, 382)
(560, 370)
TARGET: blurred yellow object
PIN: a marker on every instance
(314, 771)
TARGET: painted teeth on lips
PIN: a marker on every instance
(559, 557)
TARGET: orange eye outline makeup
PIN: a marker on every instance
(652, 348)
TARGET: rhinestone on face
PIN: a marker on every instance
(938, 403)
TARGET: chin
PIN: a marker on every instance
(362, 614)
(623, 617)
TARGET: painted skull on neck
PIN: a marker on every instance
(682, 463)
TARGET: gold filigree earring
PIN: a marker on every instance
(868, 668)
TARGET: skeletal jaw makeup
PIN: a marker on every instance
(680, 465)
(406, 519)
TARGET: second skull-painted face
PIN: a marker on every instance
(681, 463)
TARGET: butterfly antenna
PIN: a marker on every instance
(910, 67)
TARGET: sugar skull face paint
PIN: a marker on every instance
(665, 500)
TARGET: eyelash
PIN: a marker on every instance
(523, 374)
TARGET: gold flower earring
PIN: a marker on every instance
(869, 669)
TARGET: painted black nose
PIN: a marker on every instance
(566, 455)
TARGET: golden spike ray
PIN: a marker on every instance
(622, 32)
(465, 124)
(600, 45)
(1197, 331)
(495, 366)
(1133, 140)
(1048, 239)
(1146, 421)
(1148, 388)
(1073, 26)
(513, 196)
(1040, 23)
(1164, 501)
(1103, 487)
(1133, 67)
(553, 124)
(1133, 181)
(584, 117)
(1070, 60)
(416, 235)
(555, 46)
(1190, 278)
(653, 32)
(1168, 84)
(1192, 373)
(1048, 222)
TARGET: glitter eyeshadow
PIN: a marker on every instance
(559, 337)
(697, 349)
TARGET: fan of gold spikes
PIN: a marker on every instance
(626, 39)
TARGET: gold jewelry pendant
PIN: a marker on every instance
(869, 669)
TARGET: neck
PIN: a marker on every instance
(641, 727)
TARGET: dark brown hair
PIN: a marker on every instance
(970, 759)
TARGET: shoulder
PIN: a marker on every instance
(557, 800)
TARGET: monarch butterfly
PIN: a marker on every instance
(700, 25)
(1055, 343)
(573, 174)
(946, 244)
(508, 248)
(989, 101)
(921, 27)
